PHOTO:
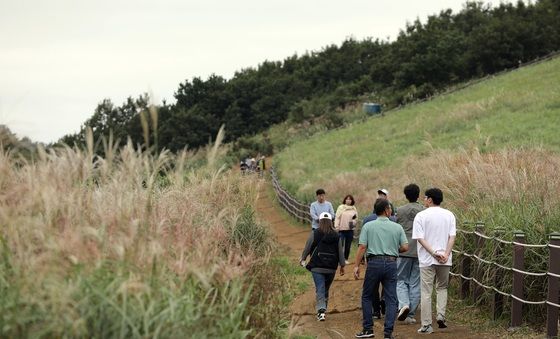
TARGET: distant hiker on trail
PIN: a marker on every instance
(408, 272)
(262, 163)
(318, 207)
(345, 222)
(435, 230)
(382, 240)
(325, 248)
(243, 167)
(382, 193)
(261, 166)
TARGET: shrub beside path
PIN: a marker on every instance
(344, 314)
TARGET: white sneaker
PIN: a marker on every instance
(409, 321)
(346, 262)
(426, 329)
(321, 316)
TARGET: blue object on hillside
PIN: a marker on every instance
(372, 108)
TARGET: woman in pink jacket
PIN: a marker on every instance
(345, 222)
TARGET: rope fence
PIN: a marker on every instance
(470, 271)
(296, 209)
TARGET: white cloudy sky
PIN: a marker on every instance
(60, 58)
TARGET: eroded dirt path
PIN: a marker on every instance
(344, 316)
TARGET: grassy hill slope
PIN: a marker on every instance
(505, 127)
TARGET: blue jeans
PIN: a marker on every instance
(348, 236)
(380, 270)
(322, 282)
(408, 285)
(378, 298)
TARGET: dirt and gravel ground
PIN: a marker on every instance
(344, 314)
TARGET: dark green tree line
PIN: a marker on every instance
(425, 58)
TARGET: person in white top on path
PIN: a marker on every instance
(435, 229)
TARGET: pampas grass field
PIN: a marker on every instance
(132, 245)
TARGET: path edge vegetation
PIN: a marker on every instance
(133, 245)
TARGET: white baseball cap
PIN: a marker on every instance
(325, 215)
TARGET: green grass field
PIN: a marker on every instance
(496, 124)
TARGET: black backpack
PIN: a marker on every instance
(324, 251)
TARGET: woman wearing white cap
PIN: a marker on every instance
(325, 249)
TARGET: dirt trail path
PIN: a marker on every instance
(344, 314)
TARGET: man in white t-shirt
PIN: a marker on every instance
(435, 230)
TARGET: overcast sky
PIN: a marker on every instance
(60, 58)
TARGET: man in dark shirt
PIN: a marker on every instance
(408, 271)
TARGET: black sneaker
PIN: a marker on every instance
(365, 334)
(321, 315)
(403, 313)
(382, 303)
(388, 336)
(376, 315)
(441, 321)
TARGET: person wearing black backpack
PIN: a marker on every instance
(326, 251)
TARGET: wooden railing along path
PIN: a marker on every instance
(296, 209)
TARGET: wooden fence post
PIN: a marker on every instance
(477, 274)
(497, 298)
(465, 272)
(553, 286)
(518, 263)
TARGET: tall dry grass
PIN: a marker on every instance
(130, 245)
(512, 188)
(518, 189)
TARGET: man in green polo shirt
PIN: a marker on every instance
(381, 240)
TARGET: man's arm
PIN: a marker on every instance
(403, 248)
(403, 241)
(313, 213)
(428, 247)
(448, 249)
(359, 256)
(451, 239)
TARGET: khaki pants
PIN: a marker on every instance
(427, 276)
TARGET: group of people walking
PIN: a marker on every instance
(252, 165)
(406, 251)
